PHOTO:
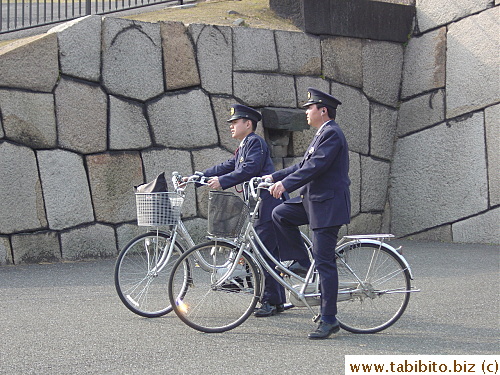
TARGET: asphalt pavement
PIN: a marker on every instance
(66, 318)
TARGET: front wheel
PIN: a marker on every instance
(199, 296)
(374, 286)
(141, 273)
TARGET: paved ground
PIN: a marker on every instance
(66, 318)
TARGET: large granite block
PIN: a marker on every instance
(298, 53)
(81, 111)
(132, 58)
(424, 67)
(93, 241)
(303, 83)
(421, 112)
(174, 127)
(431, 14)
(197, 229)
(80, 47)
(358, 18)
(221, 107)
(112, 178)
(5, 251)
(447, 180)
(492, 125)
(128, 127)
(365, 223)
(21, 62)
(36, 247)
(355, 177)
(482, 228)
(374, 184)
(353, 116)
(383, 131)
(342, 60)
(265, 90)
(472, 74)
(254, 50)
(168, 161)
(214, 51)
(126, 232)
(382, 62)
(29, 118)
(65, 189)
(301, 140)
(21, 208)
(179, 59)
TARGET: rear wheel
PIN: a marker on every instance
(142, 271)
(201, 300)
(374, 286)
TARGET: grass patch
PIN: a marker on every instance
(256, 13)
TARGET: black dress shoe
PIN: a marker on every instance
(280, 308)
(324, 331)
(265, 310)
(298, 269)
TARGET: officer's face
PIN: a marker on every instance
(315, 116)
(240, 128)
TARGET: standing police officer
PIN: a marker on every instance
(252, 159)
(324, 202)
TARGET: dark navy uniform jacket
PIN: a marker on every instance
(322, 177)
(252, 159)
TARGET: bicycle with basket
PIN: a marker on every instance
(143, 266)
(374, 278)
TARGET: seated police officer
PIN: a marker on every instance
(252, 159)
(324, 202)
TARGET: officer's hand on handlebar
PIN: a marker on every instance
(277, 190)
(214, 183)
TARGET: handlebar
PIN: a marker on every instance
(180, 184)
(257, 183)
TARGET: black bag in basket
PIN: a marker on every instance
(158, 185)
(155, 209)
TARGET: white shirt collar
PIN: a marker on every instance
(321, 128)
(242, 143)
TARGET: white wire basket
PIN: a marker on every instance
(157, 209)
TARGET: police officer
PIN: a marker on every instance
(324, 202)
(252, 158)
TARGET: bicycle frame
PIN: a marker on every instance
(251, 240)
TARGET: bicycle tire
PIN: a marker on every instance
(199, 302)
(140, 287)
(384, 297)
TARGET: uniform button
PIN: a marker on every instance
(301, 196)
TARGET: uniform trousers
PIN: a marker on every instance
(286, 219)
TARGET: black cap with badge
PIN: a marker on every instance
(319, 97)
(242, 111)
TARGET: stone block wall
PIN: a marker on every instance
(445, 177)
(100, 104)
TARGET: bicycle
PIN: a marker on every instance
(374, 287)
(143, 266)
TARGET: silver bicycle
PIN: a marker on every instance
(374, 278)
(143, 266)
